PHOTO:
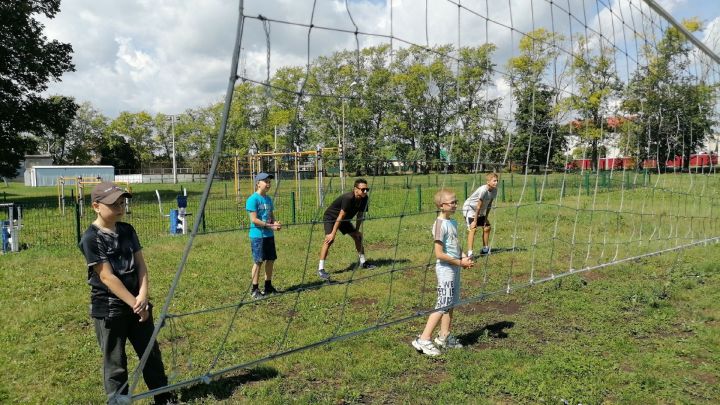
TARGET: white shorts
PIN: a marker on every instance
(448, 287)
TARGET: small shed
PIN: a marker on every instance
(39, 176)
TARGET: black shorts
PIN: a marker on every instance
(345, 228)
(482, 221)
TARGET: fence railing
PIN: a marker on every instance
(44, 224)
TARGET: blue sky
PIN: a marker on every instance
(171, 55)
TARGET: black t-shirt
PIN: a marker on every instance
(347, 203)
(118, 249)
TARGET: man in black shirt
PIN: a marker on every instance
(338, 216)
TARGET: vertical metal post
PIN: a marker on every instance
(587, 183)
(174, 163)
(77, 221)
(502, 190)
(419, 195)
(292, 205)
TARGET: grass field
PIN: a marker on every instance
(643, 331)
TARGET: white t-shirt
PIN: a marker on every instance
(445, 231)
(483, 194)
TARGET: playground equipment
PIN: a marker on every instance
(10, 228)
(80, 183)
(260, 162)
(81, 192)
(178, 217)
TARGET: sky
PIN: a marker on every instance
(167, 56)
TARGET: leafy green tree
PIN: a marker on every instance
(85, 136)
(476, 111)
(675, 110)
(54, 131)
(195, 134)
(282, 106)
(597, 84)
(537, 135)
(28, 62)
(137, 129)
(116, 151)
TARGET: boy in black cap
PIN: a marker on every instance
(118, 278)
(262, 239)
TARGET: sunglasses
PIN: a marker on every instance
(364, 190)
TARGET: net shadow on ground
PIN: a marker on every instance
(223, 388)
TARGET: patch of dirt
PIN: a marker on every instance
(706, 378)
(363, 302)
(504, 307)
(379, 246)
(594, 275)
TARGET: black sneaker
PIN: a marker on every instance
(323, 274)
(368, 265)
(256, 294)
(270, 290)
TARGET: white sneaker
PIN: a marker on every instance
(449, 342)
(425, 347)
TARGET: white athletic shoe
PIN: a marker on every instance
(425, 347)
(449, 342)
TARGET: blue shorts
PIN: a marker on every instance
(263, 249)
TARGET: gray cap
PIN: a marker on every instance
(263, 176)
(107, 193)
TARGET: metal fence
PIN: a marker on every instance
(45, 224)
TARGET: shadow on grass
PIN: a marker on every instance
(317, 282)
(375, 262)
(223, 388)
(495, 331)
(496, 250)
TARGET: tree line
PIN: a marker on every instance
(417, 105)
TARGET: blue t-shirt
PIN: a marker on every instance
(263, 207)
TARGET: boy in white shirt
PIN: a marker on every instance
(476, 210)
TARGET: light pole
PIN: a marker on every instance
(174, 162)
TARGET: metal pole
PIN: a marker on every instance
(174, 163)
(341, 146)
(277, 169)
(690, 37)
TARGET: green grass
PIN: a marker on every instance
(644, 331)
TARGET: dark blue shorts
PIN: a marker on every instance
(263, 249)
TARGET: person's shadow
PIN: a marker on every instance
(317, 282)
(496, 250)
(495, 331)
(224, 387)
(375, 262)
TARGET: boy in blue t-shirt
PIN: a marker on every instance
(262, 240)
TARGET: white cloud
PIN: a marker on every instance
(171, 55)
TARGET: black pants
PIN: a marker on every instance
(112, 334)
